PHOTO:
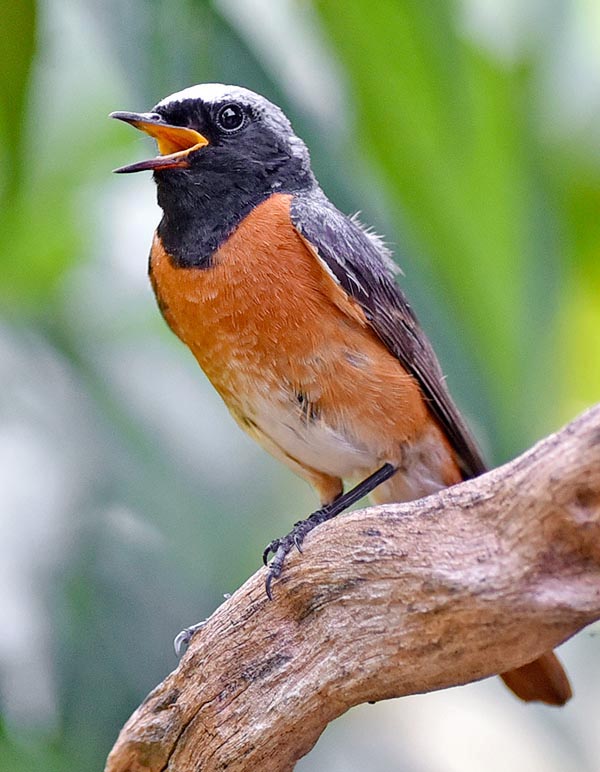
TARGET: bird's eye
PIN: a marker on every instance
(230, 118)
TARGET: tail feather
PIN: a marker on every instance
(543, 680)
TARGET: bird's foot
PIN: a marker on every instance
(182, 639)
(280, 548)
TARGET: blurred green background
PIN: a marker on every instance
(468, 132)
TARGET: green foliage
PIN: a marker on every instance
(19, 21)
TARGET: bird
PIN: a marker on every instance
(294, 312)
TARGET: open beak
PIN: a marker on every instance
(175, 143)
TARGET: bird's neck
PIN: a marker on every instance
(199, 218)
(195, 226)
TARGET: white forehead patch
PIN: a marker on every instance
(208, 92)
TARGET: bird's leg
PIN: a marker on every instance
(281, 547)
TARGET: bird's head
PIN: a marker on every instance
(212, 135)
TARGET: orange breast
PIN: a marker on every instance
(270, 327)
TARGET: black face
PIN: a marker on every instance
(251, 153)
(252, 144)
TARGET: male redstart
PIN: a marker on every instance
(292, 310)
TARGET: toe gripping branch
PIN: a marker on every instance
(281, 547)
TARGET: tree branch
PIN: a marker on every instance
(386, 601)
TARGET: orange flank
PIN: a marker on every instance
(292, 356)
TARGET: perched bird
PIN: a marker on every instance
(292, 310)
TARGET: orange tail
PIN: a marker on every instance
(543, 680)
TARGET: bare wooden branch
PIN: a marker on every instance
(385, 602)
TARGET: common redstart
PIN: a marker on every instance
(292, 310)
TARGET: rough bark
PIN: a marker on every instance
(384, 602)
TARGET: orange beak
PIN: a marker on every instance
(175, 143)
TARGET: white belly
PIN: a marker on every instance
(311, 440)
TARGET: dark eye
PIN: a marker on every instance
(230, 118)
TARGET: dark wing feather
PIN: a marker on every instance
(363, 267)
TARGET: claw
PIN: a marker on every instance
(268, 583)
(181, 642)
(276, 565)
(183, 638)
(272, 546)
(282, 547)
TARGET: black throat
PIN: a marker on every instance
(199, 215)
(192, 229)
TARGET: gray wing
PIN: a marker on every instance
(363, 267)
